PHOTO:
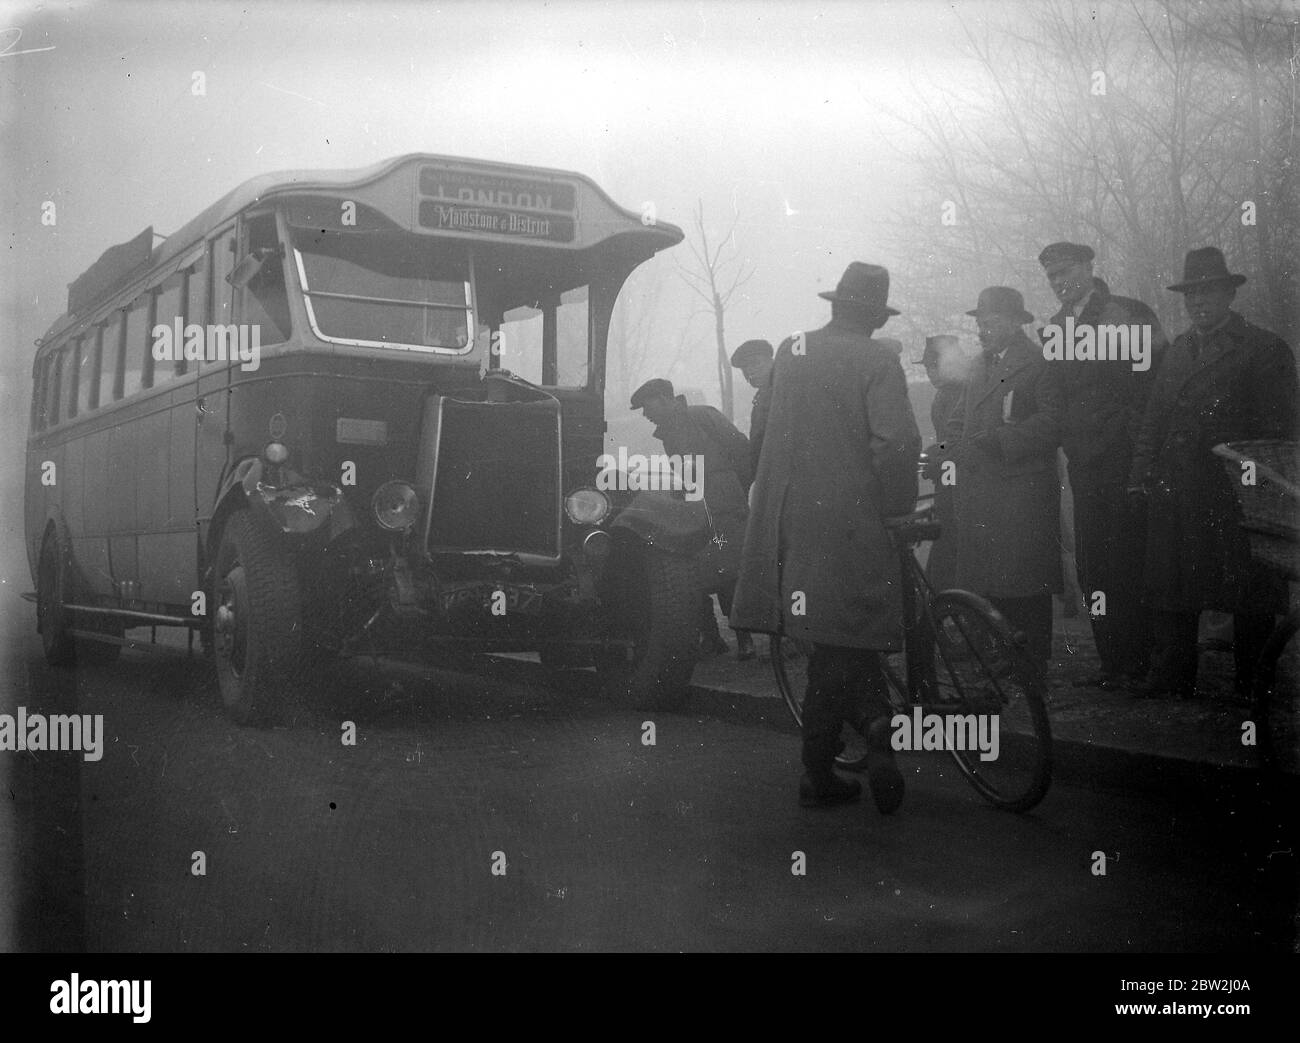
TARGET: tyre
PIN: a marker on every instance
(979, 669)
(53, 621)
(654, 601)
(790, 666)
(257, 624)
(1276, 709)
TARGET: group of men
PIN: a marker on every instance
(833, 451)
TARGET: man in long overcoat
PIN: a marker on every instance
(1224, 380)
(1104, 402)
(754, 360)
(839, 456)
(704, 431)
(1008, 499)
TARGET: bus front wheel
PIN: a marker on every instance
(257, 625)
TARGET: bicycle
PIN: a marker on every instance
(960, 658)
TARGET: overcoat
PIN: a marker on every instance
(1008, 499)
(704, 431)
(1239, 384)
(840, 448)
(1104, 401)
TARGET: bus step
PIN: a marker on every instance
(133, 643)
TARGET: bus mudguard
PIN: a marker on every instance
(294, 505)
(675, 525)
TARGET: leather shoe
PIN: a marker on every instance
(882, 772)
(824, 791)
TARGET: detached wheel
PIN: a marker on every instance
(53, 621)
(655, 600)
(257, 629)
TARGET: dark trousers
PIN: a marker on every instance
(1175, 657)
(1033, 616)
(844, 685)
(1110, 552)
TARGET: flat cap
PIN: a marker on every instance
(751, 349)
(1065, 253)
(651, 389)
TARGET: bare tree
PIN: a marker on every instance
(634, 332)
(1144, 129)
(715, 281)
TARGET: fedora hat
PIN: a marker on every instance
(1205, 266)
(1001, 300)
(936, 347)
(864, 285)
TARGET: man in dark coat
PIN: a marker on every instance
(839, 456)
(1104, 402)
(948, 371)
(754, 360)
(1008, 499)
(702, 431)
(1224, 380)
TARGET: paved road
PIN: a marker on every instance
(609, 844)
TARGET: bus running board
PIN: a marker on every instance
(145, 618)
(132, 643)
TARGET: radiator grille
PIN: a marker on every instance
(493, 470)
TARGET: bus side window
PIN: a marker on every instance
(88, 381)
(56, 378)
(266, 302)
(74, 378)
(167, 309)
(109, 359)
(222, 298)
(38, 394)
(196, 297)
(137, 345)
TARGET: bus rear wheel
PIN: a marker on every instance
(257, 625)
(52, 619)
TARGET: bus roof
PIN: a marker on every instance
(124, 263)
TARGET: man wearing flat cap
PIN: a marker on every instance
(754, 360)
(1007, 493)
(1224, 380)
(704, 431)
(839, 456)
(1104, 402)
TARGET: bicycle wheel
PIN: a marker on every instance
(989, 695)
(1276, 706)
(790, 665)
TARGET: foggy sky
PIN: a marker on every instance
(775, 112)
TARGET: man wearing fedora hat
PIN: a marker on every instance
(1008, 496)
(754, 360)
(1103, 407)
(1224, 380)
(839, 456)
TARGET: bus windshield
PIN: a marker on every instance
(384, 288)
